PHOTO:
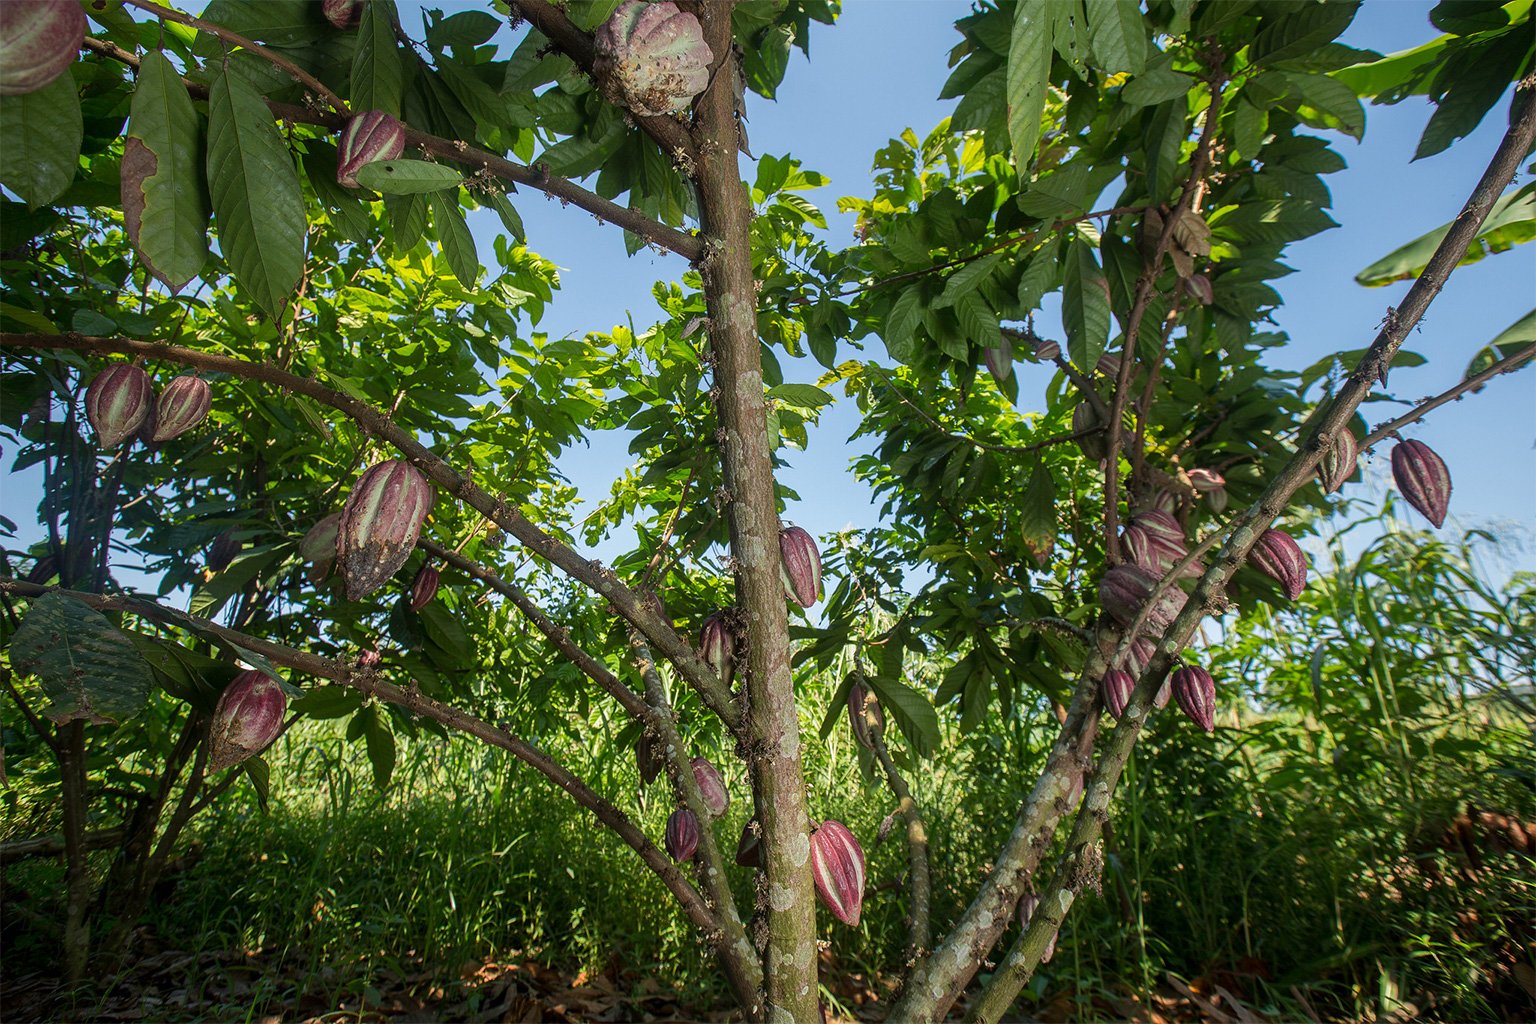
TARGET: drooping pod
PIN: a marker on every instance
(1423, 478)
(682, 837)
(380, 523)
(246, 720)
(1280, 558)
(1195, 691)
(837, 867)
(118, 402)
(800, 566)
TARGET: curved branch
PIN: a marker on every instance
(593, 574)
(414, 701)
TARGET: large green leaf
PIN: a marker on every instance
(458, 245)
(912, 712)
(1511, 220)
(376, 70)
(1029, 70)
(1037, 514)
(407, 177)
(901, 324)
(1300, 31)
(1511, 339)
(257, 202)
(88, 668)
(168, 218)
(1085, 305)
(43, 130)
(1119, 40)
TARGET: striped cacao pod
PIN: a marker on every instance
(1206, 480)
(1046, 350)
(1280, 558)
(344, 14)
(717, 646)
(424, 587)
(247, 718)
(800, 566)
(1115, 690)
(1125, 588)
(1195, 691)
(648, 759)
(682, 835)
(318, 547)
(652, 57)
(118, 402)
(1423, 478)
(863, 705)
(367, 138)
(711, 786)
(380, 523)
(837, 866)
(1338, 462)
(182, 405)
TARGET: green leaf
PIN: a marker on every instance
(453, 237)
(801, 396)
(1511, 220)
(977, 320)
(43, 129)
(1305, 29)
(89, 669)
(1327, 103)
(257, 201)
(911, 711)
(1512, 339)
(1156, 85)
(1119, 40)
(1477, 77)
(377, 75)
(1085, 305)
(381, 746)
(1037, 514)
(901, 324)
(170, 229)
(510, 218)
(1029, 70)
(408, 177)
(260, 773)
(967, 279)
(407, 220)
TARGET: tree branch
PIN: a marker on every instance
(1508, 364)
(53, 845)
(593, 574)
(413, 700)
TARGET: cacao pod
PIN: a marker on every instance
(711, 786)
(717, 646)
(800, 566)
(1115, 690)
(1046, 350)
(1423, 478)
(749, 848)
(318, 547)
(1195, 691)
(38, 41)
(1163, 526)
(1087, 423)
(1166, 502)
(837, 867)
(1108, 365)
(118, 401)
(368, 138)
(424, 587)
(1338, 462)
(1155, 552)
(225, 547)
(648, 759)
(370, 659)
(1138, 656)
(182, 405)
(653, 57)
(1125, 588)
(344, 14)
(862, 706)
(247, 718)
(999, 360)
(1206, 480)
(1027, 907)
(682, 835)
(1280, 558)
(1200, 287)
(1217, 500)
(380, 523)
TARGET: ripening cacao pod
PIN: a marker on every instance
(1217, 500)
(1166, 502)
(1027, 907)
(711, 786)
(1155, 551)
(653, 57)
(648, 759)
(118, 402)
(1046, 349)
(1338, 462)
(344, 14)
(318, 547)
(1115, 690)
(1087, 423)
(1125, 588)
(370, 659)
(800, 566)
(424, 587)
(1280, 558)
(682, 835)
(1000, 360)
(1424, 480)
(38, 41)
(367, 138)
(1200, 287)
(862, 706)
(247, 718)
(1206, 480)
(1162, 525)
(717, 646)
(1108, 365)
(837, 867)
(749, 848)
(380, 523)
(1138, 656)
(182, 405)
(1195, 691)
(223, 550)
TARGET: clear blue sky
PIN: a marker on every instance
(879, 71)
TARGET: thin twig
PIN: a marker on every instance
(1508, 364)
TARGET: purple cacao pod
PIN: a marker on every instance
(370, 659)
(999, 360)
(224, 549)
(1155, 552)
(1280, 558)
(1424, 480)
(862, 706)
(1206, 480)
(682, 835)
(38, 41)
(1084, 419)
(1338, 462)
(1138, 656)
(653, 56)
(1195, 691)
(182, 406)
(648, 759)
(749, 848)
(1027, 907)
(717, 646)
(1217, 500)
(1161, 525)
(380, 523)
(837, 867)
(118, 402)
(1200, 287)
(1125, 588)
(344, 14)
(1166, 502)
(424, 587)
(711, 786)
(800, 566)
(1108, 365)
(318, 547)
(368, 137)
(247, 718)
(1046, 350)
(1115, 689)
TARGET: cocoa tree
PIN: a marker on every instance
(381, 415)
